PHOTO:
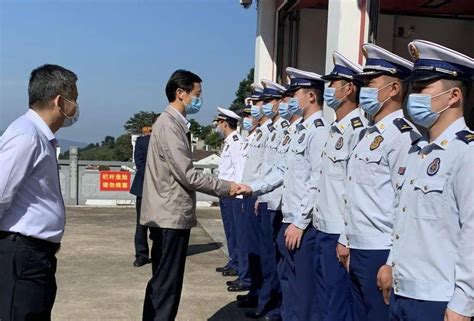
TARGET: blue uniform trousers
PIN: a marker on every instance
(227, 212)
(242, 270)
(297, 279)
(269, 299)
(251, 246)
(367, 299)
(407, 309)
(333, 286)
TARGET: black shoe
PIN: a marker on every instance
(253, 315)
(231, 272)
(242, 297)
(223, 269)
(251, 302)
(141, 261)
(233, 283)
(238, 288)
(272, 318)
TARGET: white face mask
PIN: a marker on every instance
(70, 120)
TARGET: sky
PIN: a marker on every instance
(123, 52)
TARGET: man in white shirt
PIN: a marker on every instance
(32, 214)
(229, 167)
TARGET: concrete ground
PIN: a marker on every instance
(96, 279)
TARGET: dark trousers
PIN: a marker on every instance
(269, 298)
(27, 282)
(163, 292)
(407, 309)
(297, 279)
(367, 299)
(243, 268)
(227, 213)
(333, 285)
(141, 234)
(251, 245)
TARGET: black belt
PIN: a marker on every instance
(40, 245)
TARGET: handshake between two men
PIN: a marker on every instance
(237, 189)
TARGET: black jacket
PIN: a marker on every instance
(141, 149)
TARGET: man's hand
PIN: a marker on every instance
(450, 315)
(234, 189)
(293, 237)
(245, 190)
(384, 282)
(343, 255)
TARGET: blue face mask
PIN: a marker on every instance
(256, 112)
(194, 106)
(419, 109)
(294, 106)
(247, 124)
(369, 100)
(284, 111)
(330, 97)
(268, 110)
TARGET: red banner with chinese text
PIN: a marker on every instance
(114, 181)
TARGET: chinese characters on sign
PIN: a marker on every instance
(114, 181)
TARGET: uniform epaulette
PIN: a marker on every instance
(402, 125)
(356, 122)
(318, 122)
(235, 137)
(285, 124)
(466, 136)
(270, 127)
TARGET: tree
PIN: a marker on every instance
(108, 141)
(123, 148)
(139, 120)
(195, 128)
(244, 91)
(213, 140)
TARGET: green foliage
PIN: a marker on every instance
(123, 148)
(108, 141)
(213, 140)
(195, 128)
(243, 92)
(139, 120)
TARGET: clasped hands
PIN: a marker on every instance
(237, 189)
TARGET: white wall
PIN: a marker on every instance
(265, 41)
(452, 33)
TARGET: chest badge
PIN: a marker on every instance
(376, 143)
(286, 140)
(273, 136)
(433, 168)
(259, 135)
(340, 143)
(301, 138)
(226, 148)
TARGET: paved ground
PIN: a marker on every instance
(96, 279)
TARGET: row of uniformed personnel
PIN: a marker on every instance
(364, 219)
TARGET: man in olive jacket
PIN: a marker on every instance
(169, 195)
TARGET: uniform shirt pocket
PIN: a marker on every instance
(429, 198)
(337, 165)
(299, 160)
(366, 169)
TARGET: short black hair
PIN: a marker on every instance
(181, 79)
(318, 92)
(231, 124)
(49, 81)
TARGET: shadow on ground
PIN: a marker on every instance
(230, 312)
(194, 249)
